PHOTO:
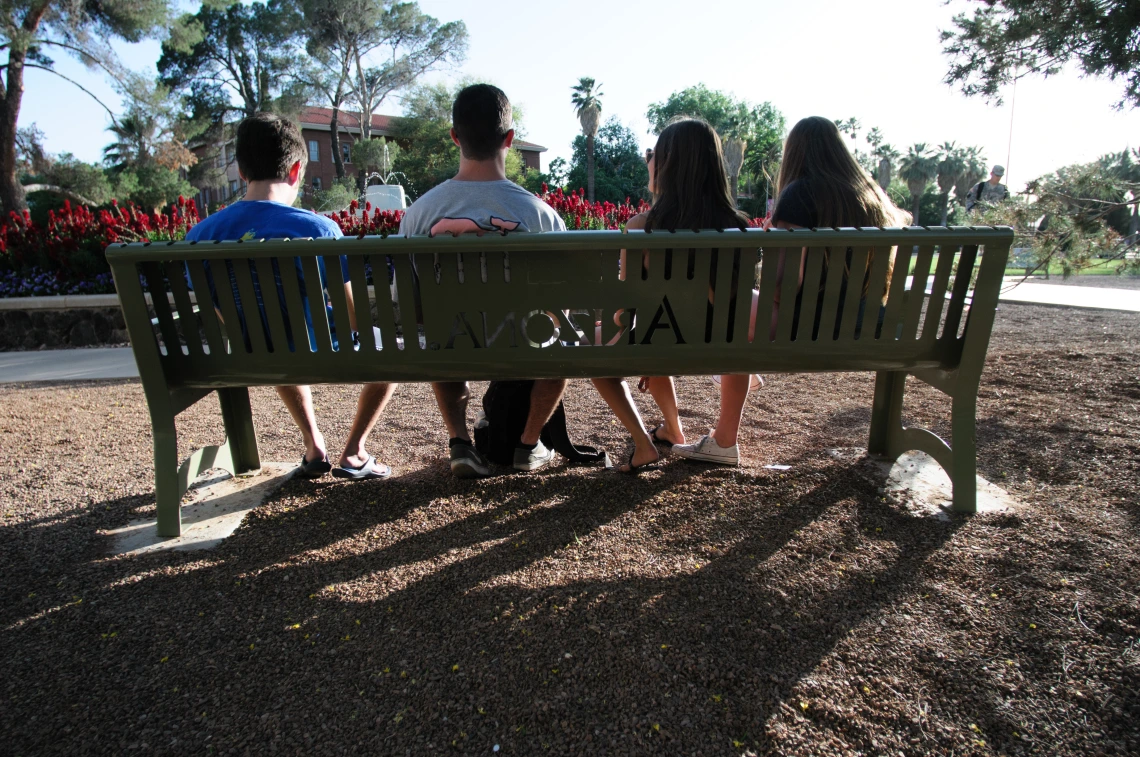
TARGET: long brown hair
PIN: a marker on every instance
(690, 185)
(842, 192)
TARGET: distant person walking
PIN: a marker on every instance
(988, 193)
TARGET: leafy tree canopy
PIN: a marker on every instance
(233, 49)
(32, 31)
(761, 126)
(620, 169)
(1074, 214)
(1006, 39)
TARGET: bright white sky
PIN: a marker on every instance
(878, 60)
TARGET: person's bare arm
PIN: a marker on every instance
(351, 307)
(637, 223)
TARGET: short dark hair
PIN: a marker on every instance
(481, 117)
(267, 147)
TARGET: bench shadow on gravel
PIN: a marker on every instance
(256, 607)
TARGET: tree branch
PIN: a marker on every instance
(83, 54)
(59, 191)
(80, 86)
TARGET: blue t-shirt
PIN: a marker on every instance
(266, 219)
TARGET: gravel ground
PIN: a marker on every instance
(693, 610)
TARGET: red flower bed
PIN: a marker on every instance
(372, 222)
(579, 213)
(67, 253)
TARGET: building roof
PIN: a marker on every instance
(314, 117)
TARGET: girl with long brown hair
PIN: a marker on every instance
(820, 185)
(691, 191)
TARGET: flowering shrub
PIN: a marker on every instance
(578, 213)
(66, 255)
(371, 222)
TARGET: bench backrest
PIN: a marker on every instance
(552, 305)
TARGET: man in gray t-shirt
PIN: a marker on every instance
(459, 206)
(481, 199)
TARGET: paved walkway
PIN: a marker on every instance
(119, 363)
(67, 365)
(1100, 298)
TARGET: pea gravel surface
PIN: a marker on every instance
(693, 610)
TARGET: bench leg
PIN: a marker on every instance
(237, 415)
(886, 414)
(167, 484)
(963, 473)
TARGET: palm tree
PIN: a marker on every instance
(887, 156)
(734, 148)
(918, 168)
(951, 163)
(588, 106)
(135, 135)
(973, 171)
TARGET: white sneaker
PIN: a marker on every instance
(706, 449)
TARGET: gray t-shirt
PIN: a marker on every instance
(458, 207)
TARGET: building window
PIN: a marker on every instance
(345, 149)
(316, 179)
(314, 151)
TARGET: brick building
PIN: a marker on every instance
(321, 170)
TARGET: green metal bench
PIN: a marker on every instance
(552, 305)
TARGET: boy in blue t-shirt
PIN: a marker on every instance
(269, 153)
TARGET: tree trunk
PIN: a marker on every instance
(734, 183)
(334, 125)
(884, 174)
(945, 207)
(11, 193)
(590, 167)
(917, 206)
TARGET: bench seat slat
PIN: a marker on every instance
(407, 297)
(154, 283)
(273, 307)
(361, 302)
(339, 300)
(207, 314)
(849, 319)
(187, 319)
(936, 302)
(294, 305)
(917, 292)
(957, 304)
(253, 326)
(831, 292)
(315, 294)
